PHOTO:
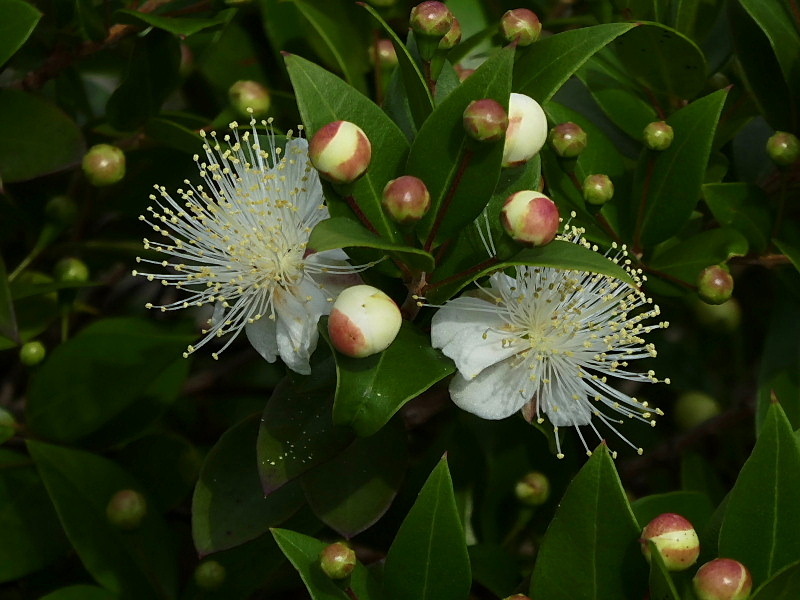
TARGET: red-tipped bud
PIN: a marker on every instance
(715, 284)
(723, 579)
(527, 130)
(521, 25)
(530, 218)
(126, 509)
(533, 489)
(32, 353)
(406, 199)
(675, 539)
(658, 135)
(71, 270)
(337, 560)
(340, 151)
(783, 148)
(104, 165)
(485, 120)
(209, 575)
(597, 189)
(452, 37)
(363, 321)
(568, 139)
(250, 98)
(694, 408)
(382, 53)
(431, 18)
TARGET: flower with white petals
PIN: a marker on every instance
(547, 341)
(239, 242)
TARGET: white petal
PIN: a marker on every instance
(564, 410)
(261, 334)
(494, 394)
(297, 317)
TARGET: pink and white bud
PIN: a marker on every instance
(363, 321)
(658, 135)
(568, 139)
(521, 25)
(337, 560)
(485, 120)
(431, 18)
(452, 37)
(406, 199)
(722, 579)
(104, 165)
(715, 284)
(675, 539)
(527, 130)
(530, 218)
(340, 151)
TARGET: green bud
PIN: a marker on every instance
(521, 25)
(694, 408)
(337, 560)
(485, 120)
(126, 509)
(719, 81)
(71, 270)
(783, 148)
(568, 139)
(658, 135)
(382, 52)
(209, 575)
(715, 284)
(61, 210)
(8, 425)
(533, 489)
(250, 95)
(597, 189)
(104, 165)
(431, 19)
(32, 353)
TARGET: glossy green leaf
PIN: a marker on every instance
(742, 206)
(591, 547)
(781, 586)
(18, 19)
(174, 135)
(80, 592)
(661, 584)
(428, 559)
(8, 318)
(139, 563)
(762, 525)
(696, 18)
(38, 138)
(229, 506)
(695, 507)
(183, 26)
(790, 250)
(495, 568)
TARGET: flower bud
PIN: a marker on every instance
(382, 53)
(724, 317)
(337, 560)
(61, 210)
(597, 189)
(517, 597)
(527, 130)
(521, 25)
(715, 284)
(533, 489)
(463, 73)
(209, 575)
(32, 353)
(126, 509)
(8, 425)
(694, 408)
(363, 321)
(675, 539)
(71, 270)
(104, 165)
(485, 120)
(530, 218)
(246, 94)
(452, 37)
(783, 148)
(340, 151)
(431, 18)
(568, 139)
(406, 199)
(722, 579)
(658, 135)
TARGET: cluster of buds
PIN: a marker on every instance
(363, 321)
(715, 284)
(435, 28)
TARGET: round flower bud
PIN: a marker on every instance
(527, 130)
(406, 199)
(533, 489)
(246, 94)
(452, 37)
(8, 425)
(597, 189)
(337, 560)
(32, 353)
(568, 139)
(658, 135)
(675, 539)
(126, 509)
(724, 317)
(431, 18)
(694, 408)
(61, 210)
(209, 575)
(530, 218)
(783, 148)
(340, 151)
(104, 165)
(715, 284)
(485, 120)
(521, 25)
(382, 53)
(363, 321)
(722, 579)
(71, 270)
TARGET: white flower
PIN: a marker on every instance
(239, 242)
(547, 341)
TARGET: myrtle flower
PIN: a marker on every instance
(239, 242)
(547, 341)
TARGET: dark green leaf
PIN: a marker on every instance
(661, 585)
(27, 289)
(8, 318)
(495, 568)
(782, 586)
(174, 135)
(695, 507)
(17, 21)
(791, 251)
(183, 26)
(685, 259)
(80, 592)
(742, 206)
(91, 21)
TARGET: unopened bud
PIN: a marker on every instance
(533, 489)
(431, 18)
(363, 321)
(382, 53)
(521, 25)
(250, 98)
(340, 151)
(597, 189)
(8, 425)
(724, 317)
(568, 139)
(452, 37)
(715, 284)
(71, 270)
(485, 120)
(126, 509)
(719, 81)
(675, 539)
(517, 597)
(61, 210)
(527, 130)
(406, 199)
(104, 165)
(530, 218)
(32, 353)
(658, 135)
(694, 408)
(783, 148)
(337, 560)
(722, 579)
(209, 575)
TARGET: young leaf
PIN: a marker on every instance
(8, 319)
(183, 26)
(17, 21)
(742, 206)
(693, 506)
(685, 259)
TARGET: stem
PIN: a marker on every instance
(598, 215)
(448, 200)
(350, 593)
(426, 71)
(637, 235)
(351, 202)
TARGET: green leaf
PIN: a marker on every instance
(762, 525)
(694, 506)
(38, 138)
(742, 206)
(370, 390)
(791, 251)
(229, 507)
(80, 592)
(174, 135)
(781, 586)
(8, 318)
(495, 568)
(545, 66)
(183, 26)
(661, 585)
(139, 563)
(428, 559)
(91, 21)
(591, 549)
(17, 21)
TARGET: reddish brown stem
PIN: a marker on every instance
(474, 269)
(465, 160)
(351, 202)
